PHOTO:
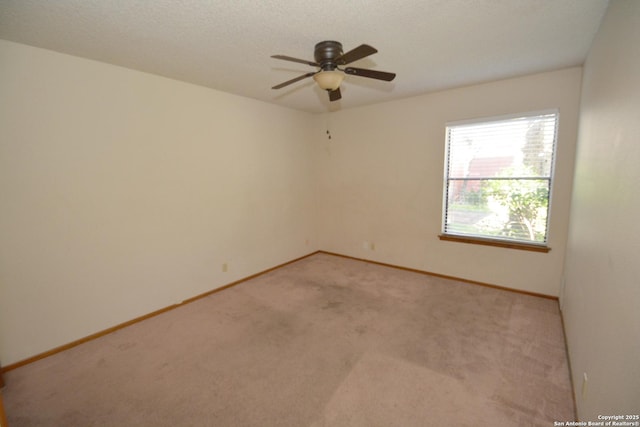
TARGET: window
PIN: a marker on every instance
(498, 179)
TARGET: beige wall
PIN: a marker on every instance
(381, 177)
(602, 295)
(124, 192)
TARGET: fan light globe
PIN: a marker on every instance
(329, 80)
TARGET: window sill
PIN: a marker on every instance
(494, 242)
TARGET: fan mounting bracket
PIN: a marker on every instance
(325, 53)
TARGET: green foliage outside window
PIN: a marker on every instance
(527, 202)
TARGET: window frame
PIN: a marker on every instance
(496, 240)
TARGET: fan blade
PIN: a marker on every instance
(288, 82)
(372, 74)
(301, 61)
(359, 52)
(334, 95)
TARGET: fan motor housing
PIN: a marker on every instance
(325, 54)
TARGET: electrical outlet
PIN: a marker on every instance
(368, 246)
(225, 267)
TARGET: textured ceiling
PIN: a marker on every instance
(227, 44)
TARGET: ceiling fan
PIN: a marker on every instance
(329, 57)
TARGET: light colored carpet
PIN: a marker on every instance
(325, 341)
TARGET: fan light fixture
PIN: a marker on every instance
(329, 80)
(328, 55)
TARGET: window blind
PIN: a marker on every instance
(498, 177)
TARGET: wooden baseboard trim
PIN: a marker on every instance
(444, 276)
(221, 288)
(139, 319)
(571, 381)
(3, 415)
